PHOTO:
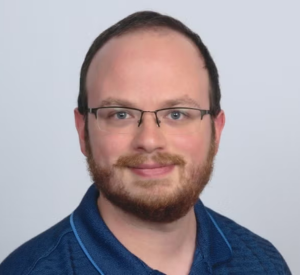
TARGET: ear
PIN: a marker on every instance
(219, 123)
(80, 126)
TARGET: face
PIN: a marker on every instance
(150, 174)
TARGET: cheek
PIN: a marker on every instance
(108, 148)
(194, 148)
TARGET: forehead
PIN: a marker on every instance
(148, 67)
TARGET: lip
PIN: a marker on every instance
(152, 170)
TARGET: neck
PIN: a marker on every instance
(166, 247)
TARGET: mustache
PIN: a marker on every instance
(139, 159)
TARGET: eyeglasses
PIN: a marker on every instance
(125, 120)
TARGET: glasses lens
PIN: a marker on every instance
(179, 121)
(118, 120)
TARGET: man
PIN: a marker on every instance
(149, 123)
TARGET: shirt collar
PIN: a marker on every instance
(109, 256)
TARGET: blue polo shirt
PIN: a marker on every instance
(83, 244)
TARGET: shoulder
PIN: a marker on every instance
(30, 255)
(248, 248)
(237, 234)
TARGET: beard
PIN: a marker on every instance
(150, 201)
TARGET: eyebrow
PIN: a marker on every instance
(185, 101)
(110, 101)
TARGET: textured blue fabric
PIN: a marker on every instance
(83, 244)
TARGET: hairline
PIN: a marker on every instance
(163, 29)
(158, 23)
(146, 29)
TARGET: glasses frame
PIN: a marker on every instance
(202, 112)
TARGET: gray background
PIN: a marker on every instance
(256, 46)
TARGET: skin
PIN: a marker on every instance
(149, 68)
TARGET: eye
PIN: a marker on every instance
(176, 115)
(115, 114)
(121, 115)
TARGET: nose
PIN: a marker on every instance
(149, 137)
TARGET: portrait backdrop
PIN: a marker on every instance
(255, 45)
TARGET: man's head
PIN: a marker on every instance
(149, 61)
